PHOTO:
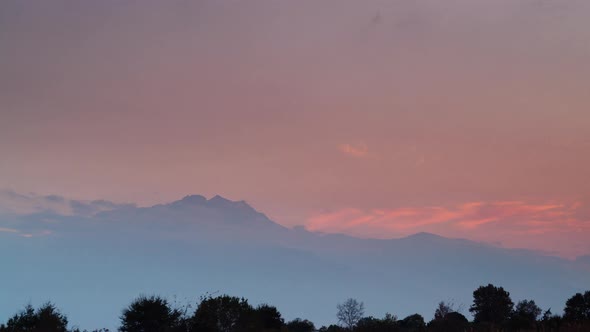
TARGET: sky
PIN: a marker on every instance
(465, 118)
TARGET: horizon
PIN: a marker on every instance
(184, 229)
(196, 224)
(36, 205)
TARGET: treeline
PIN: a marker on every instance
(492, 310)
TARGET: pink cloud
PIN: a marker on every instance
(354, 150)
(556, 228)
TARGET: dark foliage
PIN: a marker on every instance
(268, 318)
(450, 322)
(150, 314)
(300, 325)
(525, 315)
(577, 308)
(372, 324)
(492, 306)
(332, 328)
(550, 322)
(413, 323)
(223, 314)
(46, 318)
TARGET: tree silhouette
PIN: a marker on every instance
(268, 318)
(46, 318)
(331, 328)
(300, 325)
(372, 324)
(150, 314)
(442, 310)
(491, 305)
(451, 322)
(223, 314)
(577, 307)
(550, 321)
(350, 312)
(413, 323)
(525, 315)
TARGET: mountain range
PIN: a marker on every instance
(93, 258)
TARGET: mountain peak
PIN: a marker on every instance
(217, 202)
(191, 200)
(219, 199)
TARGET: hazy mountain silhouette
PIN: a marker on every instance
(92, 264)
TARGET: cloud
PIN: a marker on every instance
(354, 150)
(13, 203)
(554, 227)
(25, 234)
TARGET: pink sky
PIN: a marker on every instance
(467, 118)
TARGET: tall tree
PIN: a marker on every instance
(350, 312)
(491, 305)
(577, 307)
(150, 314)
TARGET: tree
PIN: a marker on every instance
(442, 310)
(350, 312)
(46, 318)
(371, 324)
(577, 307)
(413, 322)
(452, 322)
(300, 325)
(491, 305)
(550, 322)
(150, 314)
(331, 328)
(525, 315)
(368, 324)
(223, 314)
(268, 318)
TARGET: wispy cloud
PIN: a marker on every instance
(14, 203)
(25, 234)
(543, 226)
(354, 150)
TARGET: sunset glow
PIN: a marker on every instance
(379, 119)
(268, 165)
(554, 228)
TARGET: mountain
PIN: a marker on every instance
(93, 264)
